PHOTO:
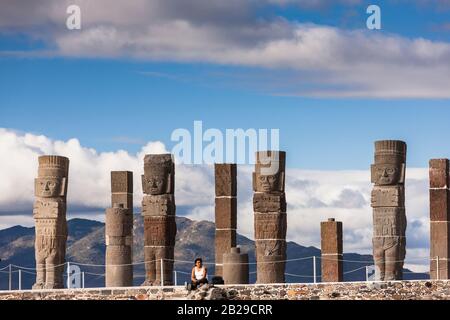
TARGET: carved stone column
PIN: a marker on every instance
(50, 217)
(119, 244)
(332, 251)
(226, 211)
(388, 203)
(439, 218)
(269, 205)
(158, 210)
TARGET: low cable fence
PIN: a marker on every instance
(298, 270)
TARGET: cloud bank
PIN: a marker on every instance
(311, 60)
(313, 196)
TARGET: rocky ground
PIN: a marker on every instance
(401, 290)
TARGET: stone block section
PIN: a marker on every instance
(269, 204)
(225, 212)
(49, 213)
(388, 203)
(235, 267)
(226, 182)
(119, 242)
(159, 212)
(332, 251)
(439, 219)
(122, 188)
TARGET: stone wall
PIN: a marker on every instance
(397, 290)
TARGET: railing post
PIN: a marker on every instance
(82, 279)
(314, 269)
(437, 268)
(175, 278)
(68, 275)
(162, 273)
(20, 279)
(367, 273)
(10, 277)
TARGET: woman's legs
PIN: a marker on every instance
(198, 283)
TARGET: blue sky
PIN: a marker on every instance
(118, 98)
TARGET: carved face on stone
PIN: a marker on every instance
(157, 183)
(268, 183)
(50, 187)
(387, 174)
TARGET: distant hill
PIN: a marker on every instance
(86, 245)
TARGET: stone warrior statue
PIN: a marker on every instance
(51, 226)
(158, 210)
(269, 205)
(388, 203)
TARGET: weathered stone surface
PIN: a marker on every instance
(439, 204)
(388, 196)
(159, 174)
(269, 175)
(226, 213)
(226, 182)
(156, 257)
(439, 219)
(270, 225)
(158, 209)
(406, 290)
(332, 251)
(271, 268)
(160, 231)
(388, 202)
(439, 173)
(119, 241)
(439, 247)
(119, 269)
(235, 267)
(49, 213)
(269, 203)
(225, 240)
(389, 221)
(159, 205)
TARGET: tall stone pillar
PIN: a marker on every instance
(119, 244)
(50, 217)
(235, 267)
(388, 203)
(226, 211)
(122, 189)
(158, 210)
(119, 231)
(439, 218)
(332, 251)
(269, 205)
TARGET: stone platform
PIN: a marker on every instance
(396, 290)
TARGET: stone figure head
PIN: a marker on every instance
(52, 177)
(269, 175)
(388, 174)
(389, 167)
(159, 174)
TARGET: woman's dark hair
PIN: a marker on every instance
(197, 260)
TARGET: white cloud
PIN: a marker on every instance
(313, 196)
(322, 61)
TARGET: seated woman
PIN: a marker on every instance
(199, 274)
